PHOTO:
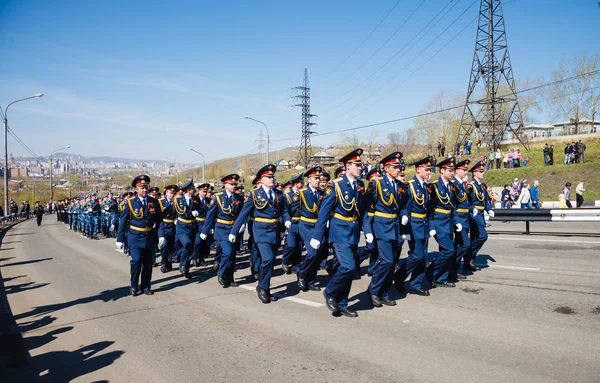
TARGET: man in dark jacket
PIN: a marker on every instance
(38, 211)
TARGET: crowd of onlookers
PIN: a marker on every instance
(575, 153)
(564, 199)
(521, 195)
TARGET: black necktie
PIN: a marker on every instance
(354, 185)
(271, 196)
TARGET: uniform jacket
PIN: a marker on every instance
(341, 204)
(309, 211)
(266, 216)
(293, 206)
(222, 214)
(386, 204)
(443, 202)
(479, 197)
(186, 222)
(418, 207)
(140, 224)
(167, 226)
(463, 205)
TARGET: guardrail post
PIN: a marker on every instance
(527, 227)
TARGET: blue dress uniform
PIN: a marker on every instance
(139, 223)
(382, 224)
(480, 202)
(323, 252)
(167, 230)
(418, 208)
(370, 249)
(255, 259)
(266, 206)
(341, 204)
(462, 242)
(222, 214)
(443, 202)
(292, 254)
(310, 200)
(201, 247)
(186, 211)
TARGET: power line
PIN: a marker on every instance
(382, 46)
(590, 73)
(394, 56)
(361, 44)
(14, 135)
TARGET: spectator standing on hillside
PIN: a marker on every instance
(535, 195)
(498, 157)
(567, 155)
(439, 148)
(443, 148)
(579, 193)
(567, 192)
(546, 155)
(478, 144)
(524, 201)
(490, 163)
(468, 147)
(517, 158)
(581, 151)
(509, 157)
(551, 155)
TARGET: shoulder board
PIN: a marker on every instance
(434, 182)
(219, 193)
(330, 183)
(301, 190)
(132, 197)
(472, 183)
(411, 181)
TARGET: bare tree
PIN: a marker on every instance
(574, 99)
(441, 124)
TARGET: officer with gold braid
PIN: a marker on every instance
(292, 253)
(462, 243)
(418, 207)
(310, 200)
(187, 209)
(139, 222)
(222, 214)
(382, 225)
(480, 202)
(266, 206)
(167, 228)
(341, 205)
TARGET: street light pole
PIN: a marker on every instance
(203, 164)
(266, 128)
(6, 149)
(51, 192)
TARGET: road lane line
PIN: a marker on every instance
(543, 240)
(292, 299)
(517, 267)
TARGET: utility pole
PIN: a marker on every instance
(260, 142)
(305, 146)
(593, 129)
(491, 73)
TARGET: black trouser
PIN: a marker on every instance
(579, 200)
(39, 220)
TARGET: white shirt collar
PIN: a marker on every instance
(266, 189)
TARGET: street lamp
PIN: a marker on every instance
(267, 129)
(195, 151)
(51, 192)
(6, 149)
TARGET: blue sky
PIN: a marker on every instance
(150, 79)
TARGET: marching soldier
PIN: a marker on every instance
(292, 254)
(201, 247)
(310, 200)
(341, 205)
(139, 222)
(418, 208)
(480, 202)
(382, 226)
(255, 259)
(167, 228)
(462, 243)
(266, 206)
(187, 209)
(222, 214)
(443, 200)
(370, 250)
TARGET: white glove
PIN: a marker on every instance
(315, 244)
(369, 238)
(458, 227)
(112, 228)
(432, 233)
(119, 245)
(161, 242)
(404, 220)
(195, 213)
(491, 213)
(327, 224)
(242, 228)
(288, 224)
(212, 231)
(475, 212)
(203, 236)
(175, 222)
(405, 237)
(89, 210)
(231, 238)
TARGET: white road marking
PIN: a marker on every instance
(542, 240)
(517, 267)
(292, 299)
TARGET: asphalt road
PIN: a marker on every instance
(533, 315)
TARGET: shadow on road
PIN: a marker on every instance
(23, 287)
(26, 262)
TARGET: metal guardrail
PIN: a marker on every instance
(546, 215)
(13, 218)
